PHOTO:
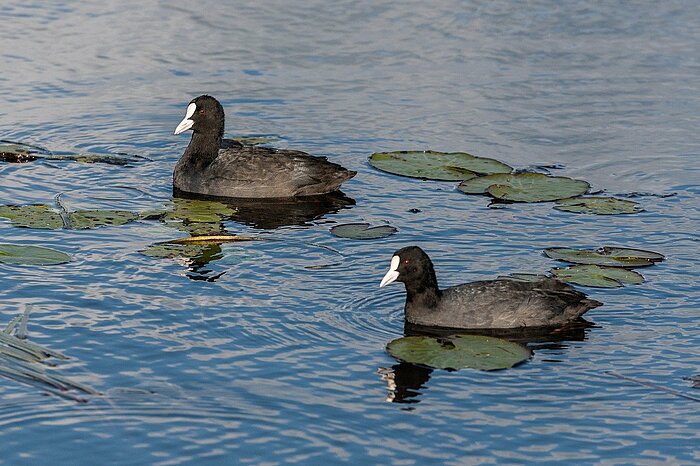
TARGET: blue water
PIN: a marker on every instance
(274, 353)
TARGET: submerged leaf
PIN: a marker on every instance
(608, 256)
(362, 231)
(459, 352)
(525, 187)
(31, 255)
(433, 165)
(598, 276)
(598, 205)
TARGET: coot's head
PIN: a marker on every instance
(204, 115)
(410, 265)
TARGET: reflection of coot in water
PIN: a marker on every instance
(407, 381)
(268, 214)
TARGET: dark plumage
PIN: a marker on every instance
(482, 304)
(246, 171)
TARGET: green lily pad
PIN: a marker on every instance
(525, 187)
(97, 158)
(83, 219)
(198, 211)
(362, 231)
(171, 251)
(31, 255)
(43, 217)
(598, 276)
(523, 277)
(32, 216)
(598, 205)
(607, 256)
(459, 352)
(433, 165)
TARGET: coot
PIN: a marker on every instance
(244, 171)
(482, 304)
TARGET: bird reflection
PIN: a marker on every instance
(270, 214)
(406, 382)
(205, 215)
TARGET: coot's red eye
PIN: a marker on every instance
(201, 111)
(407, 261)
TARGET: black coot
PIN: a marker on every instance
(243, 171)
(482, 304)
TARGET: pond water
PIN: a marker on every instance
(272, 352)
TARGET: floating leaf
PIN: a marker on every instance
(608, 256)
(598, 205)
(171, 251)
(209, 239)
(598, 276)
(97, 158)
(523, 277)
(459, 352)
(525, 187)
(362, 231)
(31, 255)
(43, 217)
(199, 211)
(32, 216)
(83, 219)
(432, 165)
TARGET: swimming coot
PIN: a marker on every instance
(482, 304)
(244, 171)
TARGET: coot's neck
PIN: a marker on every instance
(424, 292)
(203, 149)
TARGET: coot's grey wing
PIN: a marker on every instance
(509, 303)
(251, 171)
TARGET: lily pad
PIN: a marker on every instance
(598, 276)
(523, 277)
(171, 251)
(525, 187)
(598, 205)
(362, 231)
(433, 165)
(32, 216)
(42, 216)
(109, 159)
(459, 352)
(31, 255)
(83, 219)
(198, 211)
(211, 239)
(607, 256)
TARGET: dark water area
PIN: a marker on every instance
(272, 352)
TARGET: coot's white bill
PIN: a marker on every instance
(186, 123)
(392, 274)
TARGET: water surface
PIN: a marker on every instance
(275, 352)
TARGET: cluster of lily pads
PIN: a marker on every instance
(605, 267)
(31, 363)
(481, 175)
